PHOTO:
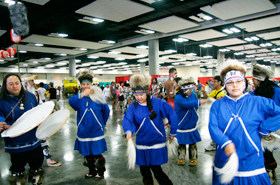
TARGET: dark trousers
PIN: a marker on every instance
(160, 176)
(33, 157)
(96, 163)
(269, 161)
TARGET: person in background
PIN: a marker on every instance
(155, 88)
(218, 93)
(113, 92)
(163, 93)
(170, 88)
(106, 92)
(211, 85)
(265, 87)
(249, 87)
(102, 87)
(42, 92)
(199, 88)
(52, 95)
(57, 93)
(121, 97)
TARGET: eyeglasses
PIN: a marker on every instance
(239, 82)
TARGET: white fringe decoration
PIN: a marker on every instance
(229, 170)
(273, 144)
(131, 154)
(172, 147)
(97, 96)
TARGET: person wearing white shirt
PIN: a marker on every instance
(42, 93)
(107, 92)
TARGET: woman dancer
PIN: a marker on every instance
(186, 105)
(91, 119)
(234, 124)
(144, 117)
(265, 87)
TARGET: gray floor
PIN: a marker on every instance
(72, 171)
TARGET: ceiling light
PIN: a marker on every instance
(22, 51)
(265, 44)
(61, 63)
(238, 53)
(62, 35)
(122, 63)
(107, 42)
(188, 64)
(145, 32)
(196, 18)
(142, 60)
(85, 64)
(227, 31)
(40, 67)
(77, 60)
(274, 49)
(47, 58)
(114, 52)
(250, 56)
(1, 60)
(255, 38)
(107, 65)
(205, 17)
(180, 40)
(163, 58)
(25, 64)
(101, 62)
(224, 50)
(63, 54)
(235, 30)
(273, 61)
(35, 62)
(248, 39)
(191, 54)
(39, 44)
(92, 56)
(141, 55)
(170, 51)
(49, 65)
(266, 60)
(206, 45)
(176, 63)
(83, 49)
(10, 2)
(93, 67)
(208, 56)
(119, 58)
(142, 47)
(161, 62)
(97, 20)
(259, 58)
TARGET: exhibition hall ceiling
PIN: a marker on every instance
(113, 35)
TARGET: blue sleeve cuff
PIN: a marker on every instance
(172, 135)
(264, 133)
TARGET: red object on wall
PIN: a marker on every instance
(121, 78)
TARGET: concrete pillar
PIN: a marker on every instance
(221, 59)
(213, 71)
(72, 67)
(142, 68)
(273, 66)
(153, 57)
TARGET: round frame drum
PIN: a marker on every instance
(29, 120)
(52, 124)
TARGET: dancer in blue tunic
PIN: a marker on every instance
(91, 120)
(186, 105)
(265, 87)
(234, 124)
(144, 118)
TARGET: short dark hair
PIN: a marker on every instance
(41, 84)
(171, 70)
(218, 78)
(4, 94)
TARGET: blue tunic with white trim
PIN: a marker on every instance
(150, 134)
(185, 109)
(239, 121)
(91, 121)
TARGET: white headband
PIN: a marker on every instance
(261, 78)
(189, 86)
(234, 74)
